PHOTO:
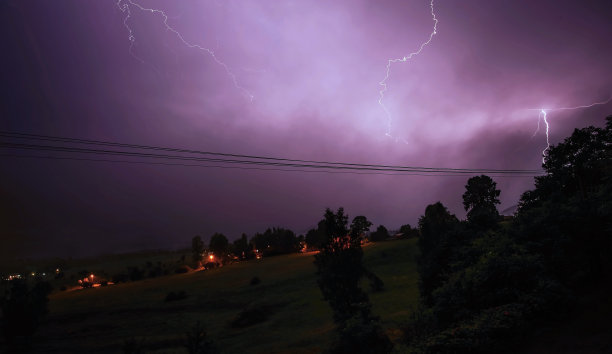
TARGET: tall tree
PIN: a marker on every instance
(242, 248)
(380, 234)
(360, 226)
(480, 199)
(339, 270)
(435, 244)
(219, 244)
(317, 237)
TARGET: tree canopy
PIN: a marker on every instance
(219, 244)
(480, 199)
(359, 226)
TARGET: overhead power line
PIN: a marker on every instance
(46, 157)
(224, 158)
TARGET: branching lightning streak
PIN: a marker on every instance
(404, 59)
(543, 115)
(124, 6)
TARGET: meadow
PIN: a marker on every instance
(296, 318)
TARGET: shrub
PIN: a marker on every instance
(358, 336)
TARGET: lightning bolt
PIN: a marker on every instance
(125, 7)
(404, 59)
(543, 115)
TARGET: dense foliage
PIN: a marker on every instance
(339, 270)
(484, 283)
(276, 241)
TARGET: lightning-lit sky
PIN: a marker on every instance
(313, 69)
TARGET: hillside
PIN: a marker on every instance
(298, 320)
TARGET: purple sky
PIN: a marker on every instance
(313, 68)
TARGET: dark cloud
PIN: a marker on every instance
(314, 70)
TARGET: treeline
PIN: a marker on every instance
(485, 283)
(273, 241)
(276, 241)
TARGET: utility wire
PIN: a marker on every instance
(246, 168)
(236, 161)
(18, 135)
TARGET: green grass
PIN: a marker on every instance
(101, 319)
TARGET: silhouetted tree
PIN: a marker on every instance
(435, 227)
(408, 232)
(315, 238)
(219, 244)
(380, 234)
(276, 241)
(479, 200)
(567, 218)
(482, 288)
(360, 226)
(339, 269)
(197, 247)
(242, 248)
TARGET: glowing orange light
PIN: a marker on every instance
(211, 256)
(91, 276)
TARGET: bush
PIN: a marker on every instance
(357, 336)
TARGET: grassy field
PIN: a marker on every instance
(102, 319)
